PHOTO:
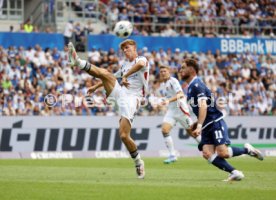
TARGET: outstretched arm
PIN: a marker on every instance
(175, 98)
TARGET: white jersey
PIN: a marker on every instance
(178, 111)
(138, 82)
(169, 89)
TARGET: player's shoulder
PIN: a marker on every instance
(192, 86)
(143, 58)
(197, 83)
(173, 79)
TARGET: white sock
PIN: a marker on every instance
(212, 158)
(169, 143)
(82, 63)
(230, 152)
(198, 138)
(137, 160)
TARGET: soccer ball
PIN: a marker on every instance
(123, 29)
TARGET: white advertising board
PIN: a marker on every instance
(70, 137)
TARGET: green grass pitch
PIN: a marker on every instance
(115, 179)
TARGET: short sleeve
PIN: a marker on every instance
(141, 58)
(175, 85)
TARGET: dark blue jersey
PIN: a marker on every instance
(198, 90)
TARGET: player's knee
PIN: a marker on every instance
(165, 132)
(206, 154)
(223, 154)
(123, 136)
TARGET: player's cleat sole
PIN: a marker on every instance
(170, 159)
(235, 176)
(253, 151)
(72, 55)
(140, 170)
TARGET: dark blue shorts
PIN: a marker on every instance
(216, 134)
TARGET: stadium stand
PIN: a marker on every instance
(189, 18)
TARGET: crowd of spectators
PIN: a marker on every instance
(189, 17)
(28, 27)
(198, 17)
(247, 81)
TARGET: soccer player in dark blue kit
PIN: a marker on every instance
(210, 124)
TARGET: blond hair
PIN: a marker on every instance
(126, 42)
(164, 66)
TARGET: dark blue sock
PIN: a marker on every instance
(222, 164)
(238, 151)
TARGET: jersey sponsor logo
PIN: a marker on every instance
(132, 76)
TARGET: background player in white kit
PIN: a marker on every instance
(178, 110)
(134, 74)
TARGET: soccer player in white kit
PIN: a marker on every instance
(177, 111)
(134, 73)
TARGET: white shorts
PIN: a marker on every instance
(179, 114)
(127, 104)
